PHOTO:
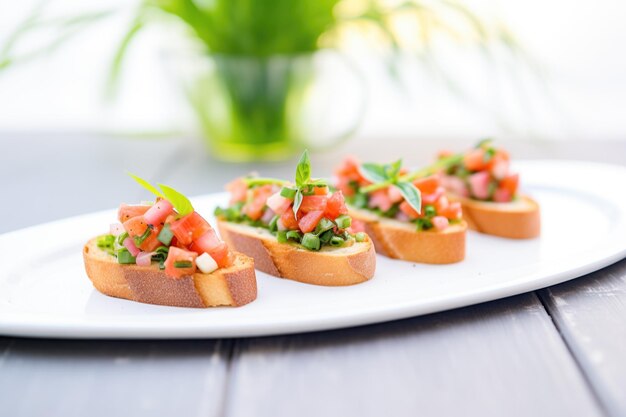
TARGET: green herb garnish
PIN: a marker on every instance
(181, 203)
(183, 264)
(165, 235)
(388, 175)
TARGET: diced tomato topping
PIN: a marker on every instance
(190, 227)
(288, 219)
(432, 198)
(479, 184)
(499, 167)
(510, 183)
(428, 185)
(320, 190)
(211, 244)
(440, 222)
(278, 203)
(238, 190)
(502, 195)
(442, 203)
(380, 199)
(313, 203)
(356, 226)
(135, 226)
(475, 160)
(309, 221)
(408, 210)
(180, 255)
(254, 208)
(455, 185)
(151, 242)
(394, 194)
(158, 212)
(453, 211)
(336, 206)
(127, 212)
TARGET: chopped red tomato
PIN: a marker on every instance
(254, 208)
(336, 206)
(135, 226)
(442, 203)
(309, 221)
(408, 210)
(440, 222)
(158, 212)
(432, 198)
(211, 244)
(151, 242)
(278, 203)
(190, 227)
(313, 203)
(394, 194)
(427, 185)
(502, 195)
(320, 190)
(180, 262)
(475, 160)
(127, 212)
(510, 183)
(356, 226)
(479, 184)
(238, 190)
(453, 211)
(288, 219)
(380, 199)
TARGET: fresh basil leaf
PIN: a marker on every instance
(145, 184)
(180, 202)
(393, 169)
(411, 194)
(303, 170)
(373, 172)
(483, 142)
(297, 201)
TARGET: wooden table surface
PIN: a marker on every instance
(560, 351)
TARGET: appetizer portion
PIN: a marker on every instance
(165, 253)
(407, 217)
(480, 179)
(300, 231)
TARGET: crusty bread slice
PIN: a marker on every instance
(401, 240)
(231, 286)
(329, 266)
(519, 219)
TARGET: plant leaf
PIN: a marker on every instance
(411, 194)
(483, 142)
(179, 201)
(145, 184)
(303, 170)
(297, 201)
(373, 172)
(394, 169)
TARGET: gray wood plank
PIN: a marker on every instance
(105, 378)
(590, 313)
(503, 358)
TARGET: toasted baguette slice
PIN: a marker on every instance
(519, 219)
(401, 240)
(329, 266)
(231, 286)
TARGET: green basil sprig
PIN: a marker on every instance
(387, 175)
(304, 181)
(181, 203)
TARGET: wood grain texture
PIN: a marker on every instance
(590, 313)
(498, 359)
(104, 378)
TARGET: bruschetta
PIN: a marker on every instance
(166, 253)
(407, 219)
(480, 179)
(296, 230)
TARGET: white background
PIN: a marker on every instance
(578, 44)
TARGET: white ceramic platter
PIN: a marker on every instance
(44, 291)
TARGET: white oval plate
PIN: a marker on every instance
(44, 291)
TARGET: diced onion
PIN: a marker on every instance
(440, 222)
(144, 258)
(130, 245)
(206, 263)
(268, 216)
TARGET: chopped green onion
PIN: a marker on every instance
(430, 210)
(344, 221)
(323, 226)
(273, 226)
(165, 235)
(337, 241)
(140, 239)
(288, 192)
(124, 257)
(105, 241)
(360, 237)
(121, 238)
(491, 189)
(281, 236)
(424, 224)
(183, 264)
(160, 256)
(294, 234)
(310, 241)
(326, 236)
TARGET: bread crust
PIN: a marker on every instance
(401, 240)
(328, 267)
(517, 220)
(231, 286)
